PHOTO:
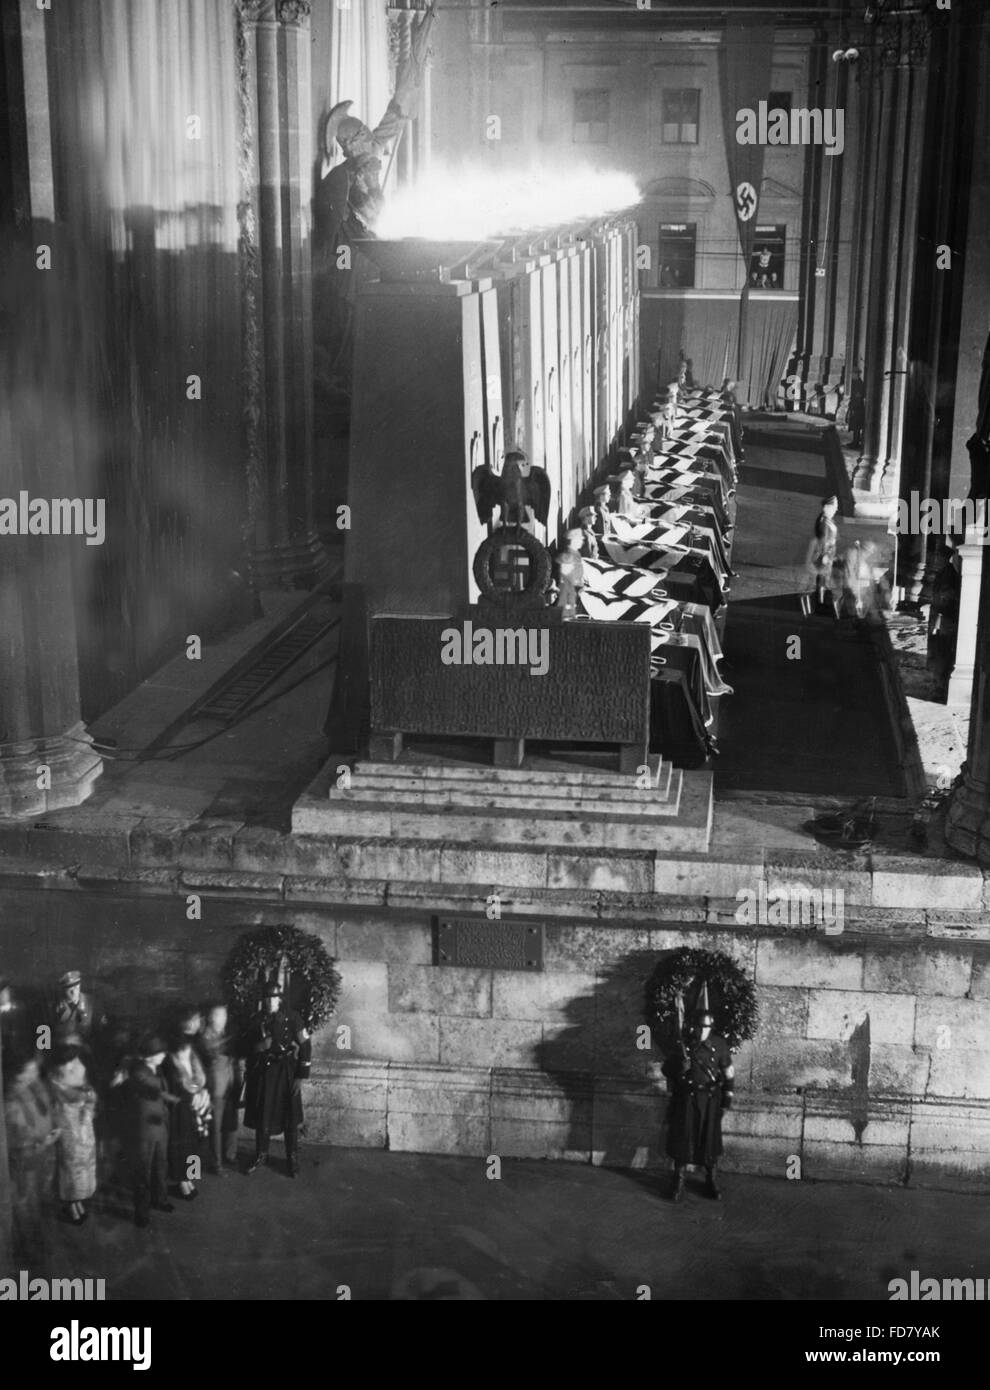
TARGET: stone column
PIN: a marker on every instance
(967, 826)
(935, 313)
(971, 576)
(277, 286)
(46, 756)
(865, 93)
(900, 56)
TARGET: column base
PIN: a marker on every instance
(74, 766)
(967, 823)
(876, 475)
(298, 564)
(960, 692)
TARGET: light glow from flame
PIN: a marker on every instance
(473, 204)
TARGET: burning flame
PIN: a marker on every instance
(478, 203)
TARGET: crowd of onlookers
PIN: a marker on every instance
(87, 1104)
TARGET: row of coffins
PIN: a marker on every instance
(487, 378)
(463, 353)
(655, 547)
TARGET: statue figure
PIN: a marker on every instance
(347, 204)
(521, 492)
(570, 574)
(349, 197)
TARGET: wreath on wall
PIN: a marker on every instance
(678, 987)
(294, 959)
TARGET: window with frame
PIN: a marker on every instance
(677, 244)
(681, 106)
(766, 268)
(592, 110)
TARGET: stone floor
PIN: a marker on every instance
(411, 1226)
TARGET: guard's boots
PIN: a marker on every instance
(677, 1191)
(259, 1162)
(711, 1186)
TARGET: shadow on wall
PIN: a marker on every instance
(608, 1070)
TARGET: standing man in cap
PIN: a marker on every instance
(144, 1121)
(279, 1053)
(73, 1014)
(700, 1080)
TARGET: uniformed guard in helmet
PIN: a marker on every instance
(700, 1081)
(278, 1061)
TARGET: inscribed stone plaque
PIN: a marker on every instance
(477, 942)
(594, 683)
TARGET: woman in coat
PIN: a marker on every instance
(190, 1118)
(74, 1103)
(31, 1140)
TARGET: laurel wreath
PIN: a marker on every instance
(256, 960)
(683, 975)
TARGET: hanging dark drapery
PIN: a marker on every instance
(144, 137)
(745, 72)
(771, 330)
(706, 330)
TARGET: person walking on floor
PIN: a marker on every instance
(189, 1125)
(224, 1082)
(31, 1139)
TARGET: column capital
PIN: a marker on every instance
(895, 41)
(294, 14)
(904, 40)
(256, 11)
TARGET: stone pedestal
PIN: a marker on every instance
(967, 825)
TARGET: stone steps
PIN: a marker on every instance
(563, 775)
(525, 817)
(377, 785)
